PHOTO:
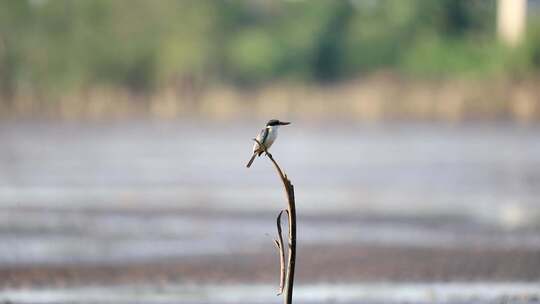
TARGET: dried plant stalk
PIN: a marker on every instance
(291, 213)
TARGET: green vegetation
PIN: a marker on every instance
(50, 48)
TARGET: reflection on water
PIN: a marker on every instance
(140, 190)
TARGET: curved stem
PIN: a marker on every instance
(291, 212)
(291, 208)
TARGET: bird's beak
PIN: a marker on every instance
(284, 123)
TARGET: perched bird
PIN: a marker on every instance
(266, 137)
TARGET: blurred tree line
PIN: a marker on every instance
(52, 46)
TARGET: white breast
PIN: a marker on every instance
(270, 138)
(272, 135)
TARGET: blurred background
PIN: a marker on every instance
(414, 148)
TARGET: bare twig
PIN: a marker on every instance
(291, 212)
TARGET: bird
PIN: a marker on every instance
(266, 137)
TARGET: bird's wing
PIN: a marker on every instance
(261, 138)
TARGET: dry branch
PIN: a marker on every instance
(291, 213)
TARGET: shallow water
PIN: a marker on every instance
(320, 293)
(81, 192)
(427, 164)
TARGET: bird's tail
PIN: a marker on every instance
(251, 160)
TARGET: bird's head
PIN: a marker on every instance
(275, 122)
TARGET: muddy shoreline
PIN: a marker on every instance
(329, 264)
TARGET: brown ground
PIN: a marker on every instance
(339, 263)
